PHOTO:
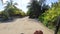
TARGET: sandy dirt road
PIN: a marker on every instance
(23, 25)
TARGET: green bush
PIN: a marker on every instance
(15, 12)
(4, 15)
(12, 12)
(49, 17)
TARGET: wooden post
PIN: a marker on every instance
(57, 26)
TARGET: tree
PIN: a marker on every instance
(45, 8)
(57, 26)
(36, 8)
(33, 8)
(9, 6)
(49, 18)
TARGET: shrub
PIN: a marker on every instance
(49, 17)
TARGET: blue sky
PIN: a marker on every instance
(22, 4)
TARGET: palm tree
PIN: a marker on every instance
(7, 7)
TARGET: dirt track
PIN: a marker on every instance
(23, 25)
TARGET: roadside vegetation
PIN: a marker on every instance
(44, 13)
(11, 11)
(48, 15)
(36, 8)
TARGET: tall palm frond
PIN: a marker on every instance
(41, 2)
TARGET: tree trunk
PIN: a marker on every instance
(57, 26)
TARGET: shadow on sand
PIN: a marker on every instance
(8, 20)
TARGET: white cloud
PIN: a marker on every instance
(50, 4)
(22, 4)
(4, 1)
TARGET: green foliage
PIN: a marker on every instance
(49, 17)
(33, 9)
(15, 11)
(11, 10)
(3, 15)
(36, 8)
